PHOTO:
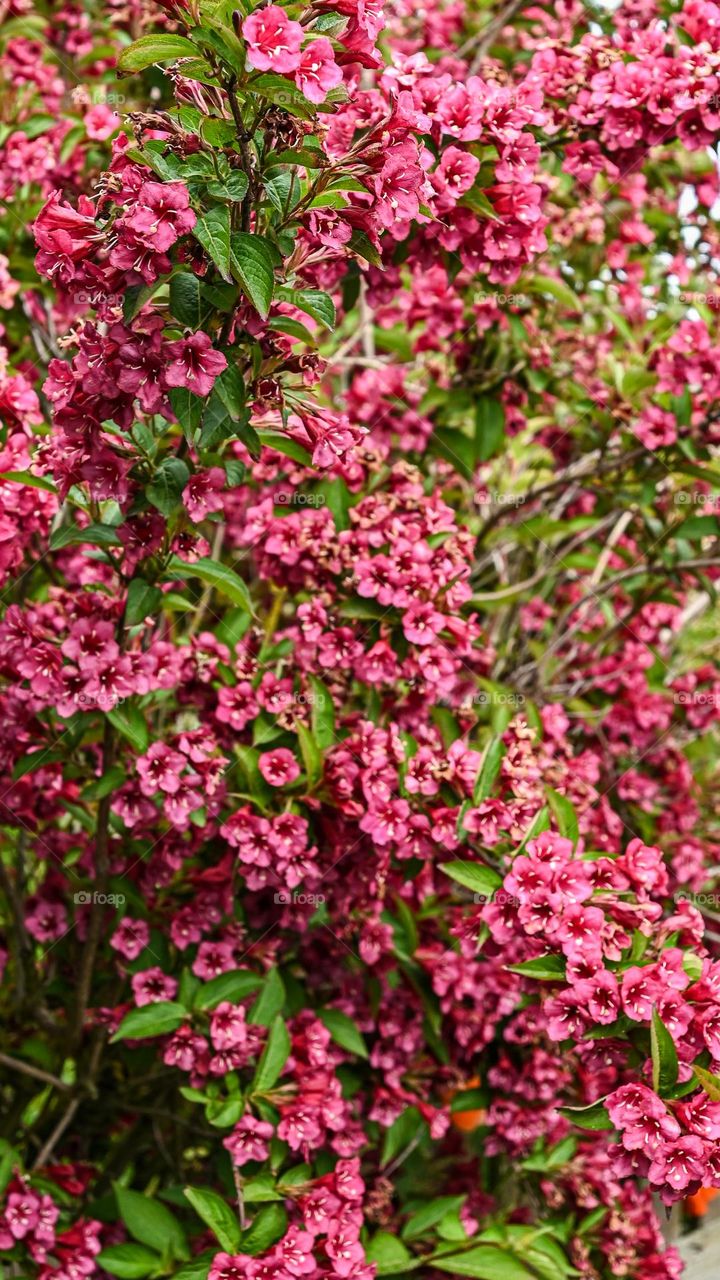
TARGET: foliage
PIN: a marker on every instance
(358, 551)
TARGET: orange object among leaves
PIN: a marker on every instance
(697, 1205)
(466, 1121)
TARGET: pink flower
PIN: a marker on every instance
(130, 938)
(249, 1140)
(227, 1026)
(194, 364)
(279, 767)
(273, 40)
(318, 71)
(100, 122)
(160, 769)
(47, 921)
(152, 985)
(203, 493)
(160, 214)
(678, 1163)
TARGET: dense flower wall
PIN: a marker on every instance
(359, 657)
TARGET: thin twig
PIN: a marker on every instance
(27, 1069)
(57, 1133)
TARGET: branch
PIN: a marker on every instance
(102, 868)
(26, 1068)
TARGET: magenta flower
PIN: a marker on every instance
(161, 214)
(318, 71)
(152, 985)
(194, 363)
(273, 40)
(249, 1140)
(279, 767)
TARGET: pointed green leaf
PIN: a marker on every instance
(252, 266)
(213, 232)
(273, 1057)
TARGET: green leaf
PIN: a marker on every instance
(230, 388)
(474, 876)
(151, 1020)
(27, 477)
(594, 1117)
(197, 1268)
(283, 93)
(129, 720)
(489, 428)
(270, 1001)
(402, 1133)
(143, 600)
(261, 1190)
(489, 770)
(314, 302)
(234, 985)
(166, 487)
(388, 1254)
(709, 1082)
(343, 1031)
(430, 1214)
(129, 1261)
(664, 1056)
(361, 245)
(151, 1222)
(215, 574)
(232, 188)
(286, 445)
(186, 303)
(95, 535)
(456, 448)
(9, 1162)
(213, 232)
(252, 266)
(36, 760)
(557, 289)
(149, 50)
(322, 715)
(109, 781)
(487, 1262)
(565, 815)
(188, 409)
(481, 204)
(545, 968)
(311, 754)
(273, 1057)
(216, 1215)
(268, 1227)
(697, 527)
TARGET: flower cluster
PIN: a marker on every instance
(359, 454)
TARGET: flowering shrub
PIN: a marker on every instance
(358, 557)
